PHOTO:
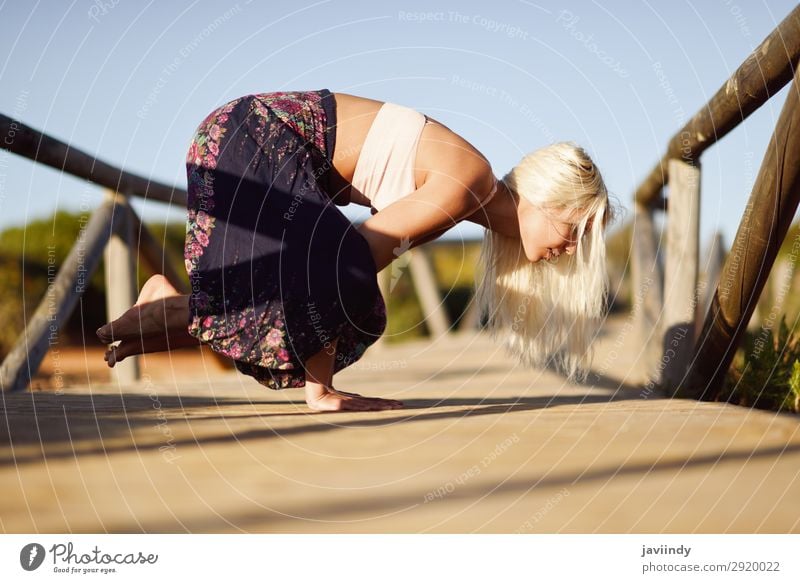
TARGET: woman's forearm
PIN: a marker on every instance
(381, 246)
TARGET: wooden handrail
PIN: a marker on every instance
(33, 144)
(772, 205)
(761, 75)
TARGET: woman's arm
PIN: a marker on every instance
(426, 213)
(427, 238)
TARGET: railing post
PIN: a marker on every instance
(153, 254)
(680, 271)
(60, 300)
(715, 257)
(433, 308)
(646, 293)
(384, 277)
(768, 214)
(120, 271)
(470, 321)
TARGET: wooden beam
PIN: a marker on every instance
(647, 292)
(121, 288)
(766, 220)
(60, 299)
(433, 308)
(470, 321)
(715, 258)
(152, 252)
(33, 144)
(760, 76)
(680, 271)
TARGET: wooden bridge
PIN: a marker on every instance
(483, 445)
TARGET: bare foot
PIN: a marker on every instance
(131, 347)
(146, 317)
(148, 344)
(331, 399)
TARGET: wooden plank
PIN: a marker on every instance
(121, 288)
(647, 293)
(680, 271)
(715, 257)
(41, 148)
(766, 220)
(60, 300)
(768, 68)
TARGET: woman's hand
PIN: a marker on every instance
(330, 399)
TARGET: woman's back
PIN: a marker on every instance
(440, 151)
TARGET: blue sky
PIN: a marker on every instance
(129, 81)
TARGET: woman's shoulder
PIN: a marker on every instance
(445, 154)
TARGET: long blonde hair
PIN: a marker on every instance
(549, 313)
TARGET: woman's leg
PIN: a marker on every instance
(321, 396)
(159, 307)
(171, 339)
(156, 322)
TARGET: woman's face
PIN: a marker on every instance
(546, 235)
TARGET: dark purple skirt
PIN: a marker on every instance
(277, 272)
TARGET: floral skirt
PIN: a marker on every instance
(277, 272)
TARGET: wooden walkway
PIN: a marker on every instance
(482, 446)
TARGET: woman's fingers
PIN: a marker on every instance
(335, 400)
(357, 395)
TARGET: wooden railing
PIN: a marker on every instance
(117, 235)
(114, 233)
(689, 357)
(418, 261)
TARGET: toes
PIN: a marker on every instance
(104, 333)
(117, 353)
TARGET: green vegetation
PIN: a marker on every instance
(766, 371)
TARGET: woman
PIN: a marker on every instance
(286, 286)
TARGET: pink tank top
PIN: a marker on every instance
(385, 168)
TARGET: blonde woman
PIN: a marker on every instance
(285, 285)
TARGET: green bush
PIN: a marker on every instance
(766, 371)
